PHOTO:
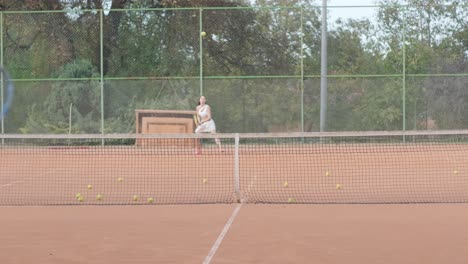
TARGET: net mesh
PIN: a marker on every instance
(48, 171)
(349, 169)
(377, 167)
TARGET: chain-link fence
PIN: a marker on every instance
(400, 68)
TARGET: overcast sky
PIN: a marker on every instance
(351, 12)
(351, 2)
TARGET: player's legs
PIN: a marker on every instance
(198, 130)
(207, 127)
(218, 142)
(212, 128)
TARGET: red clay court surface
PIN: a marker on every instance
(352, 234)
(277, 233)
(365, 173)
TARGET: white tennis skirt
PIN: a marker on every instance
(207, 127)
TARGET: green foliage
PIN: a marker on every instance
(124, 120)
(68, 101)
(258, 105)
(240, 46)
(364, 104)
(434, 44)
(124, 97)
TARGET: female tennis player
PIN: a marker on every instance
(207, 124)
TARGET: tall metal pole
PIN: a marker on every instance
(1, 83)
(201, 50)
(404, 71)
(102, 71)
(302, 72)
(404, 75)
(323, 73)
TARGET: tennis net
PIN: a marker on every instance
(341, 167)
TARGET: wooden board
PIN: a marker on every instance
(164, 122)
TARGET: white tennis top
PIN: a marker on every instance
(202, 112)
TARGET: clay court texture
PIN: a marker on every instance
(333, 198)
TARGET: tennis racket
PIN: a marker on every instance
(8, 90)
(196, 119)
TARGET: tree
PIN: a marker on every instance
(432, 30)
(75, 102)
(31, 40)
(161, 49)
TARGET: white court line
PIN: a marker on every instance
(252, 183)
(221, 236)
(10, 184)
(27, 178)
(247, 192)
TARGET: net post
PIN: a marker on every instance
(236, 168)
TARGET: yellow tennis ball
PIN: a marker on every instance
(285, 184)
(291, 200)
(150, 200)
(327, 173)
(205, 181)
(119, 179)
(90, 186)
(338, 186)
(99, 197)
(80, 199)
(203, 34)
(455, 172)
(78, 195)
(136, 198)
